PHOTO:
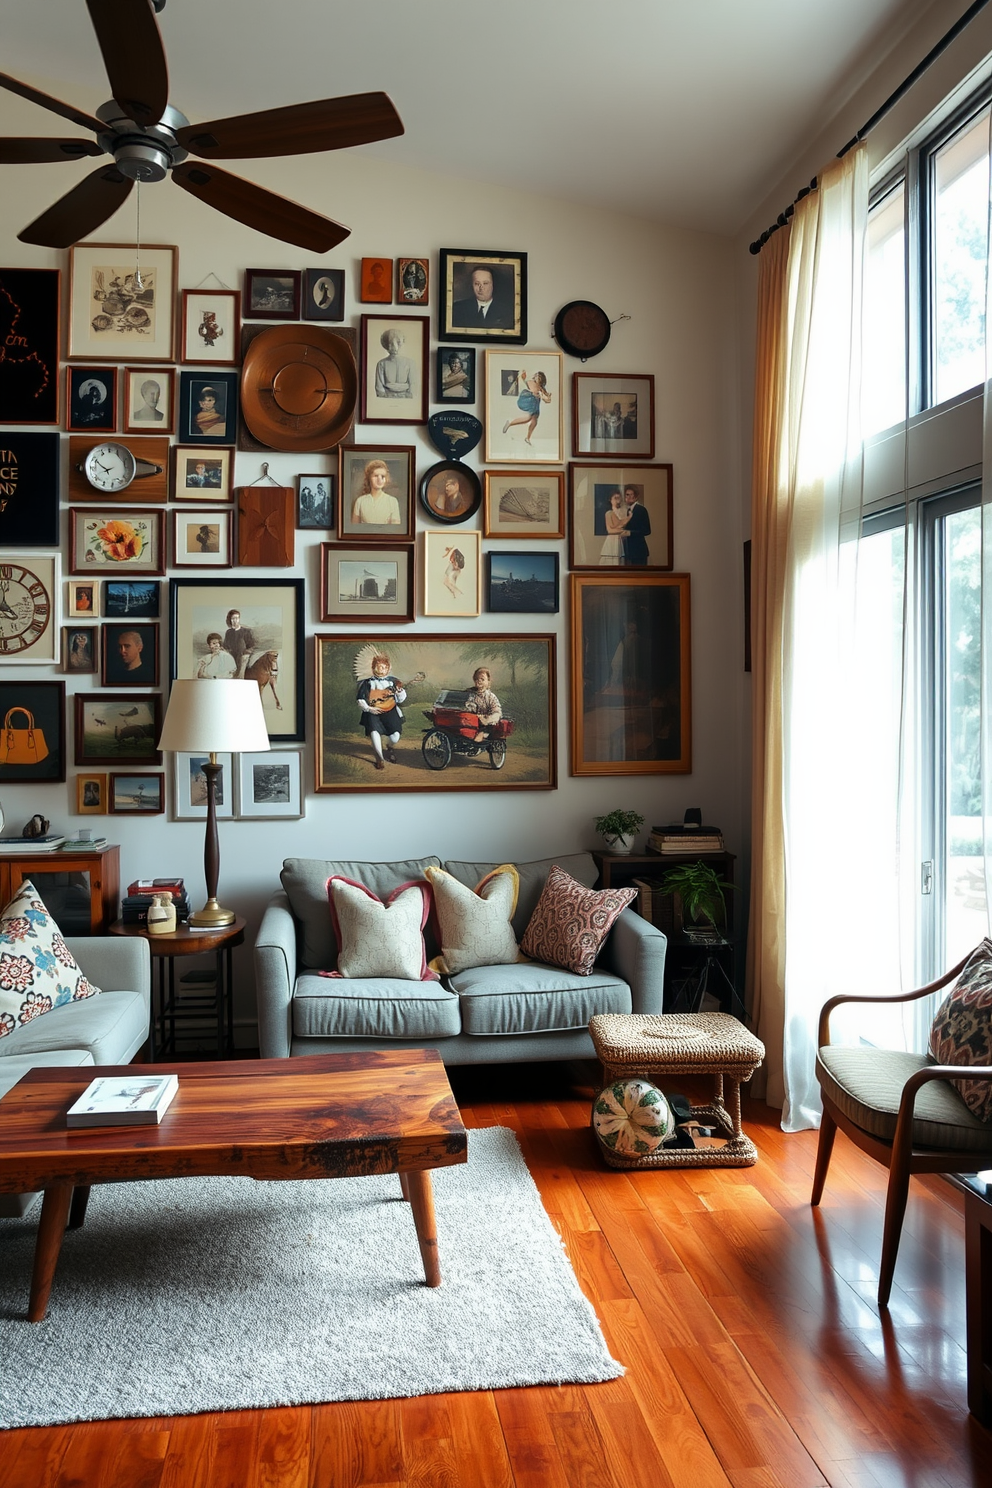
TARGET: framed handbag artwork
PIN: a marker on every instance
(32, 737)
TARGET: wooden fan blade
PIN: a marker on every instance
(258, 208)
(42, 151)
(81, 210)
(326, 124)
(133, 55)
(54, 105)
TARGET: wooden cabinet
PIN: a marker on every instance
(80, 889)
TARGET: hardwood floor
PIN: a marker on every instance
(754, 1350)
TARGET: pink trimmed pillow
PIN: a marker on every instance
(961, 1032)
(376, 939)
(571, 922)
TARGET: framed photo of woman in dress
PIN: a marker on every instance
(376, 492)
(620, 517)
(394, 369)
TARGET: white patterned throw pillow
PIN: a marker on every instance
(475, 923)
(37, 970)
(376, 939)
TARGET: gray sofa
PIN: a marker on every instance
(108, 1029)
(520, 1012)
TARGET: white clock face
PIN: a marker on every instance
(25, 608)
(110, 467)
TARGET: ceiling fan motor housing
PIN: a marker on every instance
(142, 153)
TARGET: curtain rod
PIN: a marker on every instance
(879, 114)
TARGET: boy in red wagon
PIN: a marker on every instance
(483, 700)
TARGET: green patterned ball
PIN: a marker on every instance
(632, 1117)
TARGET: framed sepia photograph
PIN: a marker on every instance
(200, 474)
(375, 285)
(149, 400)
(83, 599)
(118, 728)
(523, 407)
(91, 795)
(523, 503)
(119, 312)
(29, 368)
(30, 486)
(136, 795)
(91, 400)
(482, 296)
(315, 501)
(208, 407)
(189, 787)
(450, 492)
(620, 516)
(270, 785)
(452, 573)
(114, 541)
(394, 369)
(323, 294)
(30, 588)
(272, 294)
(79, 648)
(443, 677)
(32, 742)
(613, 415)
(371, 584)
(210, 320)
(454, 374)
(244, 627)
(376, 492)
(129, 654)
(131, 599)
(413, 280)
(631, 686)
(201, 538)
(522, 583)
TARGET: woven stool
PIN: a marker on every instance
(655, 1046)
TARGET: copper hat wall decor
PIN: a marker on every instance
(299, 387)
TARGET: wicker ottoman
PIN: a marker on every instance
(657, 1046)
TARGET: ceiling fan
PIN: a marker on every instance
(148, 139)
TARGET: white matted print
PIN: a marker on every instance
(202, 474)
(122, 302)
(523, 407)
(452, 565)
(202, 537)
(270, 784)
(211, 326)
(189, 793)
(394, 369)
(149, 400)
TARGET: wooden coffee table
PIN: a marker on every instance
(323, 1116)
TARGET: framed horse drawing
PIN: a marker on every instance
(232, 628)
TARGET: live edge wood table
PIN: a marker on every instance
(323, 1116)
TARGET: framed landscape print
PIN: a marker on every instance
(620, 516)
(523, 407)
(91, 795)
(200, 474)
(208, 407)
(129, 654)
(517, 753)
(32, 743)
(120, 313)
(482, 296)
(272, 294)
(131, 599)
(631, 685)
(452, 573)
(376, 492)
(29, 367)
(29, 489)
(117, 728)
(201, 537)
(149, 400)
(270, 785)
(454, 374)
(522, 583)
(210, 320)
(136, 795)
(315, 501)
(116, 542)
(371, 584)
(91, 400)
(613, 415)
(189, 787)
(29, 605)
(524, 503)
(413, 279)
(323, 294)
(394, 369)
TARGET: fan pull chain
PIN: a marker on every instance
(137, 236)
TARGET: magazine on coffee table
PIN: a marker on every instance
(129, 1100)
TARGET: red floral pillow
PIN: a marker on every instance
(571, 922)
(962, 1028)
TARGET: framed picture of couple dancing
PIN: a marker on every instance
(620, 517)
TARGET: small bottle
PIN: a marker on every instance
(162, 915)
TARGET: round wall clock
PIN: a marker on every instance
(25, 608)
(582, 329)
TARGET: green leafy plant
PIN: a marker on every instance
(619, 824)
(700, 890)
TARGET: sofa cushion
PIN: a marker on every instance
(531, 998)
(373, 1007)
(111, 1027)
(305, 882)
(376, 939)
(475, 923)
(533, 876)
(962, 1028)
(571, 922)
(37, 970)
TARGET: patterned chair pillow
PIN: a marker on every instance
(37, 970)
(475, 923)
(571, 922)
(377, 939)
(962, 1028)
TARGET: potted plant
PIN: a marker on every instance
(619, 828)
(699, 890)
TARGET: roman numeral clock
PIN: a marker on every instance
(25, 609)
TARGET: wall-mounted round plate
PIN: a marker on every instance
(299, 387)
(582, 329)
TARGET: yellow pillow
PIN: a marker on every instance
(475, 923)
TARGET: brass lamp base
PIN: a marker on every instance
(211, 917)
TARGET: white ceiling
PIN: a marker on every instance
(685, 111)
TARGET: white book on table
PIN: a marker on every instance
(124, 1100)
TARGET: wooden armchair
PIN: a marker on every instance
(902, 1110)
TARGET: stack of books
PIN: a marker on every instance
(678, 838)
(83, 844)
(51, 842)
(141, 895)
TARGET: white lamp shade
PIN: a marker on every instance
(210, 715)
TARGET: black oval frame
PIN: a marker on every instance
(462, 471)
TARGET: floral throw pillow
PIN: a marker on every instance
(37, 970)
(962, 1028)
(571, 922)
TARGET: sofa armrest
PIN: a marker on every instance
(635, 950)
(275, 977)
(114, 963)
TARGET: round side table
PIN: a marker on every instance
(165, 1009)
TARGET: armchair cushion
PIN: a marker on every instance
(962, 1028)
(866, 1085)
(38, 972)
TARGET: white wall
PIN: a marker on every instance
(677, 287)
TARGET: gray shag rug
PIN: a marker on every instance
(211, 1294)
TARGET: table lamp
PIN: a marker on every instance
(213, 716)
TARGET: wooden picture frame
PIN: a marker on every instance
(117, 728)
(30, 589)
(111, 317)
(129, 653)
(116, 540)
(316, 502)
(29, 369)
(210, 321)
(149, 400)
(613, 415)
(83, 599)
(210, 529)
(270, 785)
(135, 794)
(323, 294)
(91, 400)
(30, 487)
(359, 503)
(200, 474)
(413, 281)
(272, 294)
(375, 284)
(631, 683)
(394, 362)
(523, 503)
(208, 407)
(32, 750)
(523, 407)
(131, 599)
(522, 583)
(519, 754)
(450, 492)
(91, 794)
(452, 574)
(189, 787)
(373, 585)
(620, 517)
(454, 375)
(505, 277)
(79, 649)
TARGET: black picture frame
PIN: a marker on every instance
(454, 385)
(45, 702)
(523, 582)
(138, 665)
(440, 502)
(29, 489)
(323, 294)
(271, 294)
(201, 423)
(131, 599)
(91, 400)
(316, 507)
(506, 323)
(29, 371)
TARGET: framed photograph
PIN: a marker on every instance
(483, 296)
(115, 541)
(79, 648)
(270, 785)
(129, 655)
(631, 685)
(29, 489)
(149, 400)
(371, 584)
(441, 676)
(323, 294)
(272, 294)
(136, 795)
(523, 407)
(118, 728)
(131, 599)
(452, 573)
(91, 795)
(244, 628)
(620, 517)
(376, 492)
(376, 282)
(32, 742)
(83, 599)
(523, 503)
(189, 787)
(208, 407)
(413, 279)
(454, 374)
(199, 474)
(29, 605)
(394, 369)
(613, 415)
(450, 492)
(522, 583)
(29, 369)
(315, 501)
(202, 538)
(91, 400)
(211, 326)
(117, 314)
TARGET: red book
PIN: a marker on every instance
(174, 886)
